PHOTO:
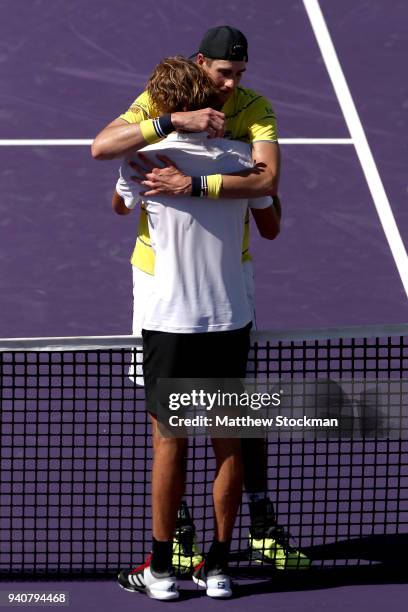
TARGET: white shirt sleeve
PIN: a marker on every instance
(264, 202)
(126, 188)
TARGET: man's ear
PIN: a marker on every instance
(200, 59)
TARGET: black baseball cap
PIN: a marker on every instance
(226, 43)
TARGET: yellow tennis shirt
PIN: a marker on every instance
(249, 117)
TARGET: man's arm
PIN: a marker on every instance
(259, 181)
(268, 219)
(118, 204)
(120, 137)
(116, 139)
(255, 182)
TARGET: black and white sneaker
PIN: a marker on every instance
(217, 583)
(157, 586)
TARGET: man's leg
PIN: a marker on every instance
(227, 492)
(227, 488)
(255, 458)
(255, 450)
(156, 577)
(185, 552)
(255, 462)
(268, 541)
(168, 477)
(161, 352)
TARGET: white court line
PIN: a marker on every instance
(88, 343)
(316, 141)
(45, 142)
(359, 138)
(53, 142)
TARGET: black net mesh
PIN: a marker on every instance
(76, 458)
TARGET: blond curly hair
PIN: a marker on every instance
(178, 84)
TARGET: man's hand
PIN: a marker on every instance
(167, 179)
(204, 120)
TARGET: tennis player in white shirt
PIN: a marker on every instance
(196, 305)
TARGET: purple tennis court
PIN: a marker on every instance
(340, 261)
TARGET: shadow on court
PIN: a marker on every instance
(317, 579)
(387, 552)
(257, 581)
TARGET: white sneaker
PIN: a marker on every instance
(217, 585)
(157, 586)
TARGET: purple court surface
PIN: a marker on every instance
(68, 68)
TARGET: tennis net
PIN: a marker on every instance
(76, 454)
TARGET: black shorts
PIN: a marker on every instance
(212, 355)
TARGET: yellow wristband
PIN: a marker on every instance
(214, 184)
(149, 131)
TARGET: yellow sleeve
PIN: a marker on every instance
(261, 121)
(143, 255)
(141, 109)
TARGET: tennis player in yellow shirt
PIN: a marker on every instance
(245, 115)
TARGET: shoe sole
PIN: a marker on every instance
(163, 596)
(217, 595)
(128, 588)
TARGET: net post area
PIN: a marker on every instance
(75, 455)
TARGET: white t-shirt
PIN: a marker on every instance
(198, 281)
(143, 284)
